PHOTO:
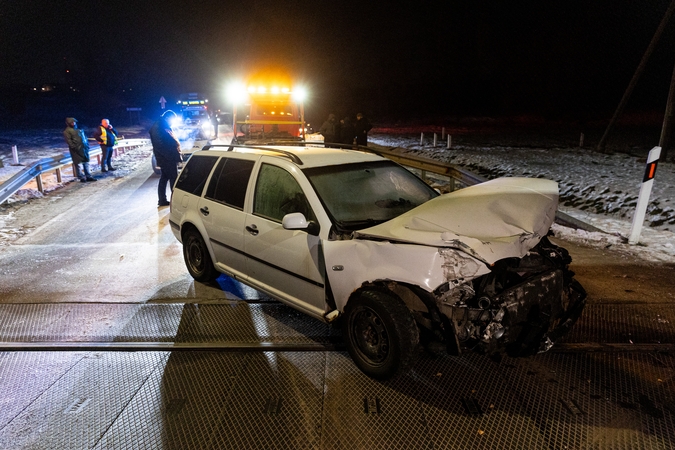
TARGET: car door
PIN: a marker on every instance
(285, 263)
(222, 211)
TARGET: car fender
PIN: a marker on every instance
(352, 263)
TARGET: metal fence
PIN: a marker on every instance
(55, 163)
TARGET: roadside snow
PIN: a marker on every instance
(599, 189)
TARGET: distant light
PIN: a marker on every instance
(274, 90)
(262, 89)
(285, 90)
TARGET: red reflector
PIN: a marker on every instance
(650, 171)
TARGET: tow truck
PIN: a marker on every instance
(266, 110)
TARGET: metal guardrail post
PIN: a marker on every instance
(38, 180)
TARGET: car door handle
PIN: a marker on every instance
(252, 229)
(204, 210)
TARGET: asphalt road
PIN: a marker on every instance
(96, 242)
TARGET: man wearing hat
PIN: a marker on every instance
(106, 136)
(166, 148)
(79, 149)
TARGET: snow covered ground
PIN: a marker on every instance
(599, 189)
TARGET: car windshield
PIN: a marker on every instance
(360, 195)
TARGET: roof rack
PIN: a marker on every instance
(230, 147)
(292, 156)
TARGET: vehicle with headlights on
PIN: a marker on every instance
(349, 236)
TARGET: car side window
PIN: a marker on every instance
(277, 194)
(193, 176)
(229, 181)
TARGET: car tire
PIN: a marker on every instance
(197, 257)
(380, 333)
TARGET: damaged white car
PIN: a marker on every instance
(349, 235)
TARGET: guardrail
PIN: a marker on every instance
(463, 176)
(55, 163)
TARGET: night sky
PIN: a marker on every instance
(392, 60)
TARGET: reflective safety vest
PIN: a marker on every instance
(104, 137)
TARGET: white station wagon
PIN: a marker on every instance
(349, 235)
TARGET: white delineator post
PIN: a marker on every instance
(435, 138)
(449, 142)
(422, 138)
(15, 155)
(645, 192)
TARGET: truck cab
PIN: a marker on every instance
(268, 111)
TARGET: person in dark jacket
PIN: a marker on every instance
(106, 136)
(166, 149)
(329, 129)
(347, 131)
(79, 149)
(362, 127)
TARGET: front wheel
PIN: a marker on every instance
(380, 333)
(197, 257)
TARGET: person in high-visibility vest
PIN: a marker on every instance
(106, 136)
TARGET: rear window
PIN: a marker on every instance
(193, 176)
(229, 181)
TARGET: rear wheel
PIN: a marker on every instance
(380, 333)
(197, 257)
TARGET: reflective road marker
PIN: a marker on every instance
(645, 192)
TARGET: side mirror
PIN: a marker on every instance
(297, 221)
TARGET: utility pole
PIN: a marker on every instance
(666, 138)
(636, 75)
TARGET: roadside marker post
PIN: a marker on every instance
(15, 155)
(645, 192)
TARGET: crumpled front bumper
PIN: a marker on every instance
(527, 318)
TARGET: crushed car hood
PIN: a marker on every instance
(497, 219)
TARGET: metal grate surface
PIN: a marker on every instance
(181, 406)
(182, 323)
(444, 386)
(24, 376)
(346, 424)
(276, 403)
(648, 323)
(604, 401)
(75, 411)
(212, 400)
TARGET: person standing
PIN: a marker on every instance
(79, 149)
(106, 136)
(347, 131)
(166, 149)
(329, 129)
(362, 127)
